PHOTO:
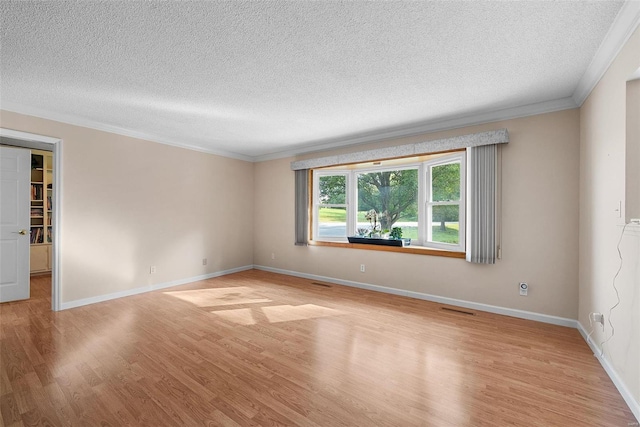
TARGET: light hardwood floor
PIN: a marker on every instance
(256, 348)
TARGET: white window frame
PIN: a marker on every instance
(429, 203)
(354, 192)
(317, 205)
(424, 199)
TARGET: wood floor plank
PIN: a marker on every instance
(60, 404)
(36, 417)
(5, 383)
(112, 400)
(9, 412)
(263, 349)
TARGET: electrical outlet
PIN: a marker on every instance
(204, 261)
(597, 318)
(361, 268)
(152, 269)
(524, 289)
(273, 255)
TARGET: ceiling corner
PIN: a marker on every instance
(622, 28)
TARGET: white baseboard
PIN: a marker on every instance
(143, 289)
(529, 315)
(617, 381)
(545, 318)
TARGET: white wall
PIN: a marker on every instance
(602, 187)
(129, 204)
(540, 244)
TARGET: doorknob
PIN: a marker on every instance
(21, 232)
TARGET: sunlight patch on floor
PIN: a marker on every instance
(286, 313)
(241, 316)
(275, 314)
(219, 296)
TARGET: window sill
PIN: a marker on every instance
(418, 250)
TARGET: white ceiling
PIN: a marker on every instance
(261, 79)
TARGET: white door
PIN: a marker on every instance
(15, 179)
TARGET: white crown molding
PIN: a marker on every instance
(622, 28)
(425, 127)
(77, 121)
(325, 144)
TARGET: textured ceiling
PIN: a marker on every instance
(257, 78)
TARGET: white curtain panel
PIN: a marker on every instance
(482, 163)
(302, 207)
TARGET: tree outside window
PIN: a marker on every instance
(393, 194)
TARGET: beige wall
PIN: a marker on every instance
(129, 204)
(632, 151)
(602, 186)
(540, 210)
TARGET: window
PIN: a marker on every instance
(393, 195)
(422, 196)
(330, 213)
(445, 202)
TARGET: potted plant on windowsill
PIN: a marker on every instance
(396, 234)
(373, 236)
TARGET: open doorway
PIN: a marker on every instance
(45, 206)
(632, 149)
(41, 213)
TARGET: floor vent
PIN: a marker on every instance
(321, 284)
(457, 310)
